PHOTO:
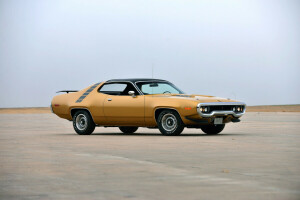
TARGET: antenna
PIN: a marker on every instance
(152, 76)
(152, 69)
(233, 93)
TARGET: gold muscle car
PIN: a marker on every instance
(153, 103)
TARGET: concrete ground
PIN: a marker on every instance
(41, 157)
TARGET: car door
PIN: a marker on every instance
(120, 108)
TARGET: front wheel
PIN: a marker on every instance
(213, 129)
(128, 129)
(170, 123)
(83, 123)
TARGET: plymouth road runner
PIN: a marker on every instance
(153, 103)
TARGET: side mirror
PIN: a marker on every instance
(131, 93)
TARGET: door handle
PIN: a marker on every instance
(109, 99)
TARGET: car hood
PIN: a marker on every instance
(195, 97)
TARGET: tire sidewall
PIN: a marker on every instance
(90, 124)
(179, 127)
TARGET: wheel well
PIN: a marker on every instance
(74, 110)
(159, 110)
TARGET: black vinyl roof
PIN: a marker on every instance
(133, 80)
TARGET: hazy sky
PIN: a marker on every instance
(249, 50)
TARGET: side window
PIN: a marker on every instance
(113, 88)
(117, 88)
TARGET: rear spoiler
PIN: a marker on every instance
(67, 91)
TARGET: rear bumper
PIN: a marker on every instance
(221, 112)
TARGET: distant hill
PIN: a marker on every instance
(274, 108)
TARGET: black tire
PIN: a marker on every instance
(213, 129)
(83, 123)
(170, 123)
(128, 129)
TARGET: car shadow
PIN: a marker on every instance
(159, 134)
(153, 134)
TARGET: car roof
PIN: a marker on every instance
(133, 80)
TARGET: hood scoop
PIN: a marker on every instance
(203, 97)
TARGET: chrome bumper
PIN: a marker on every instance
(51, 108)
(221, 112)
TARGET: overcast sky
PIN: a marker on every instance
(249, 50)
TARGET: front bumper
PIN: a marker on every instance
(51, 108)
(224, 112)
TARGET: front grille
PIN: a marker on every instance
(211, 108)
(227, 108)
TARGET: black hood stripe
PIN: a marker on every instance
(87, 93)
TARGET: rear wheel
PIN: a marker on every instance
(213, 129)
(128, 129)
(170, 123)
(83, 123)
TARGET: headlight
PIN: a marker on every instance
(238, 109)
(233, 109)
(204, 109)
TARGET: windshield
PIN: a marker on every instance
(158, 88)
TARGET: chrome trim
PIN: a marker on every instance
(82, 109)
(169, 122)
(81, 122)
(221, 112)
(51, 108)
(160, 81)
(132, 94)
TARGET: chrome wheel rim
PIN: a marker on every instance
(81, 122)
(169, 122)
